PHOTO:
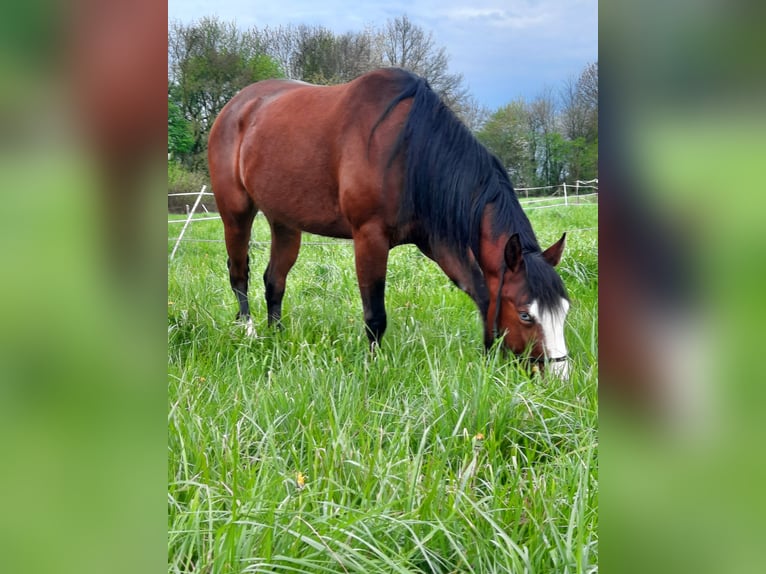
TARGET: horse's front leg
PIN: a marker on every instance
(371, 247)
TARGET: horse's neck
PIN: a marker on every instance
(466, 273)
(490, 254)
(471, 271)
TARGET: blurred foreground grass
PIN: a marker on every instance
(82, 345)
(683, 123)
(82, 362)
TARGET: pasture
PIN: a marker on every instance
(298, 451)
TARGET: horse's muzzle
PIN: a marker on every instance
(557, 366)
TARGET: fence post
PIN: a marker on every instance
(577, 190)
(188, 219)
(566, 201)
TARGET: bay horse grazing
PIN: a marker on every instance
(381, 160)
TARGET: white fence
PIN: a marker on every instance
(188, 218)
(566, 195)
(569, 193)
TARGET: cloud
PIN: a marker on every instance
(498, 18)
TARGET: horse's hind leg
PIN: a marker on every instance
(237, 229)
(285, 244)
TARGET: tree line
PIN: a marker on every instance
(553, 138)
(541, 143)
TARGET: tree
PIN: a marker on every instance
(506, 134)
(180, 132)
(471, 112)
(316, 54)
(208, 63)
(588, 88)
(544, 144)
(542, 124)
(580, 105)
(321, 57)
(281, 44)
(580, 122)
(574, 113)
(408, 46)
(582, 159)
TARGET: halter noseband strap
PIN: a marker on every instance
(549, 359)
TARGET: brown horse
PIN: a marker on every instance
(381, 160)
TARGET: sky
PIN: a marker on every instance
(505, 49)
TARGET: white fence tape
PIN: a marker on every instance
(570, 200)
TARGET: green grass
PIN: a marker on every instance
(299, 452)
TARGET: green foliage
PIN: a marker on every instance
(506, 134)
(180, 132)
(583, 159)
(298, 451)
(181, 180)
(554, 160)
(261, 67)
(318, 57)
(210, 61)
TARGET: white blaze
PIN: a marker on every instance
(552, 323)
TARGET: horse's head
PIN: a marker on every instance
(528, 304)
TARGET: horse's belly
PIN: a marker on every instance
(340, 229)
(292, 174)
(309, 214)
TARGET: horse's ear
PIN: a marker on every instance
(513, 258)
(553, 254)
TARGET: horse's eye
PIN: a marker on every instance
(526, 317)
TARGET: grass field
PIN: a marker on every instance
(299, 452)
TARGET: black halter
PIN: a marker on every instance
(495, 319)
(549, 359)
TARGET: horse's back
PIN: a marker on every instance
(232, 122)
(303, 153)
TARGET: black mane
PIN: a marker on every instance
(450, 178)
